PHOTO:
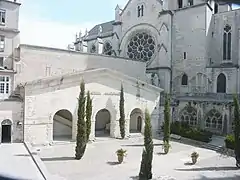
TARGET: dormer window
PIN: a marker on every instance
(1, 62)
(140, 10)
(180, 3)
(190, 2)
(215, 8)
(2, 16)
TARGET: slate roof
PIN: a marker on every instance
(106, 27)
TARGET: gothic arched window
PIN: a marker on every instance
(184, 80)
(214, 120)
(227, 41)
(221, 83)
(141, 47)
(189, 115)
(107, 49)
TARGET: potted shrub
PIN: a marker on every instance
(121, 153)
(194, 157)
(166, 147)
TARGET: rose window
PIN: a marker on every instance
(141, 47)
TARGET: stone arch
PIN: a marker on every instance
(62, 125)
(136, 121)
(164, 25)
(214, 120)
(102, 123)
(6, 135)
(189, 115)
(142, 27)
(221, 83)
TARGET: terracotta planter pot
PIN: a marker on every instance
(120, 159)
(194, 160)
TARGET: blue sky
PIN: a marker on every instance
(54, 23)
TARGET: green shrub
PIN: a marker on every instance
(184, 130)
(230, 141)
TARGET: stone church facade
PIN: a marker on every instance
(191, 50)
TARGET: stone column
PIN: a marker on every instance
(84, 47)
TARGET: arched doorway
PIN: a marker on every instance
(102, 123)
(62, 125)
(6, 131)
(221, 83)
(136, 121)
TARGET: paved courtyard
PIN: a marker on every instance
(16, 162)
(99, 162)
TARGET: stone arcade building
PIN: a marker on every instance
(189, 48)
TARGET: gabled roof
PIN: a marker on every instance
(92, 74)
(106, 27)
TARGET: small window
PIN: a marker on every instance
(1, 61)
(190, 2)
(184, 80)
(140, 10)
(2, 17)
(184, 55)
(2, 43)
(180, 3)
(4, 85)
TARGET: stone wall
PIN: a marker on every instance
(41, 62)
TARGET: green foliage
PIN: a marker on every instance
(147, 156)
(81, 140)
(230, 142)
(121, 152)
(236, 126)
(122, 114)
(166, 119)
(88, 114)
(184, 130)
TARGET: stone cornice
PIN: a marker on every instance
(89, 76)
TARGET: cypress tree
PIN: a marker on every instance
(81, 140)
(237, 130)
(147, 156)
(88, 114)
(166, 120)
(122, 115)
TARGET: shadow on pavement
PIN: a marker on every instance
(58, 159)
(219, 178)
(113, 163)
(134, 177)
(139, 145)
(223, 168)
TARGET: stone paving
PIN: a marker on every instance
(16, 162)
(99, 162)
